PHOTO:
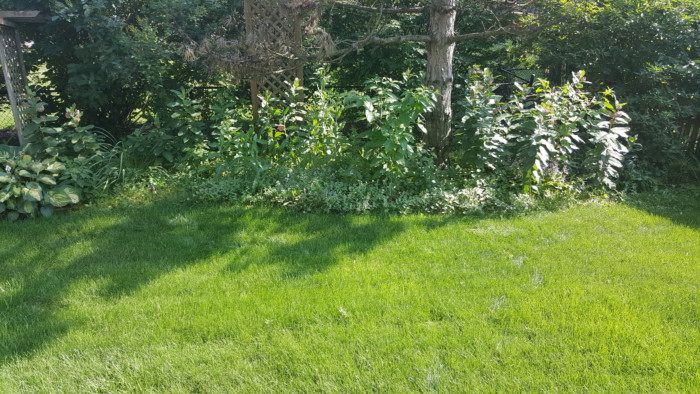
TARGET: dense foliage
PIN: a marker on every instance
(117, 59)
(354, 151)
(648, 50)
(32, 187)
(544, 131)
(347, 145)
(59, 164)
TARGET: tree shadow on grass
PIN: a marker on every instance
(43, 261)
(308, 244)
(681, 206)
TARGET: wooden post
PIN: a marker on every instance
(249, 31)
(298, 40)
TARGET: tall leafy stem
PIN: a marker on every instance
(393, 114)
(545, 130)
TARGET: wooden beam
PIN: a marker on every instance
(23, 16)
(8, 23)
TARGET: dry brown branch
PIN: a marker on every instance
(402, 10)
(501, 31)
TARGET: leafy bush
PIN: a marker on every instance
(393, 112)
(31, 187)
(90, 162)
(543, 132)
(118, 59)
(323, 150)
(646, 49)
(175, 135)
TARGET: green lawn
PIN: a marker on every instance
(170, 297)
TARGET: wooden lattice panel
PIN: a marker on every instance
(273, 27)
(14, 72)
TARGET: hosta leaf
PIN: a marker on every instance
(12, 216)
(37, 167)
(28, 207)
(2, 208)
(46, 178)
(57, 198)
(55, 166)
(46, 211)
(5, 177)
(72, 194)
(31, 191)
(24, 173)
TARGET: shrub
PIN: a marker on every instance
(89, 161)
(31, 187)
(542, 132)
(393, 113)
(648, 50)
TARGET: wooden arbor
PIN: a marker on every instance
(13, 68)
(274, 34)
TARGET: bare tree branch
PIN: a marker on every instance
(500, 31)
(402, 10)
(397, 39)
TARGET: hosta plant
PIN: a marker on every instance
(29, 187)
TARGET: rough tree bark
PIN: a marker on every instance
(438, 76)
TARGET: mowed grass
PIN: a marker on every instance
(169, 297)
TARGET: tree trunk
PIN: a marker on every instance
(439, 75)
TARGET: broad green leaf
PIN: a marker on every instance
(54, 166)
(28, 207)
(46, 178)
(5, 177)
(57, 198)
(72, 194)
(46, 211)
(37, 167)
(32, 191)
(12, 216)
